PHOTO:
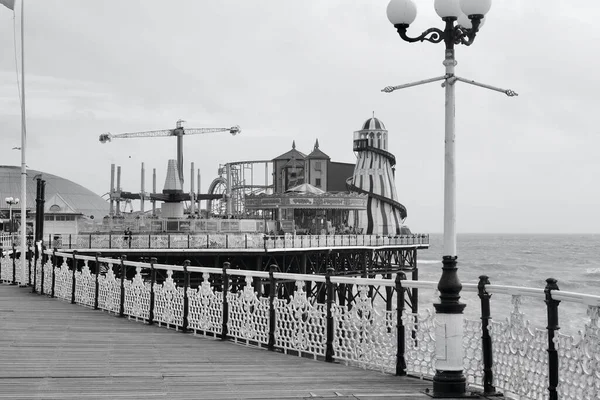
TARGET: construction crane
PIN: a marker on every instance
(178, 132)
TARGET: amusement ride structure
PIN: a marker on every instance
(172, 195)
(374, 175)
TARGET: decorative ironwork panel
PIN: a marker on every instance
(109, 291)
(248, 315)
(198, 241)
(579, 361)
(168, 302)
(100, 241)
(420, 343)
(119, 242)
(137, 297)
(48, 268)
(139, 241)
(299, 325)
(365, 335)
(236, 241)
(217, 241)
(6, 273)
(473, 352)
(85, 286)
(81, 242)
(63, 282)
(520, 357)
(179, 241)
(159, 241)
(205, 308)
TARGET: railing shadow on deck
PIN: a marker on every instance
(361, 322)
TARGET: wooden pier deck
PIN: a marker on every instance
(50, 349)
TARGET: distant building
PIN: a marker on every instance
(67, 206)
(294, 168)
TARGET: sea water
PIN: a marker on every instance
(521, 260)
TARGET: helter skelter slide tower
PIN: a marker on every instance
(374, 176)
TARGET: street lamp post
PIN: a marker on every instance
(11, 201)
(462, 18)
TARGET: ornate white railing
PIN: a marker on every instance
(226, 241)
(371, 328)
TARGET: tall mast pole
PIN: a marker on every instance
(23, 144)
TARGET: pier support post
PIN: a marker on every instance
(553, 327)
(14, 263)
(74, 266)
(122, 301)
(486, 340)
(186, 304)
(152, 282)
(330, 293)
(54, 265)
(96, 282)
(401, 334)
(225, 290)
(272, 290)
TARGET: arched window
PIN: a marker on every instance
(379, 139)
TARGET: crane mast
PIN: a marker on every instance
(179, 131)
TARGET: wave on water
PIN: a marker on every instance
(428, 261)
(592, 271)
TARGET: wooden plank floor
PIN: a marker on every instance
(51, 349)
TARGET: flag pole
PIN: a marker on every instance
(23, 164)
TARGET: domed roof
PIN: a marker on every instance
(80, 199)
(373, 124)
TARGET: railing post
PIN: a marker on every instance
(552, 307)
(186, 284)
(152, 281)
(36, 258)
(74, 266)
(168, 241)
(1, 258)
(110, 241)
(226, 241)
(54, 264)
(401, 333)
(90, 241)
(97, 284)
(14, 263)
(149, 241)
(272, 289)
(69, 240)
(225, 289)
(329, 344)
(42, 272)
(29, 257)
(188, 241)
(486, 340)
(122, 302)
(246, 240)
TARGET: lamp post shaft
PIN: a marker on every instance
(449, 159)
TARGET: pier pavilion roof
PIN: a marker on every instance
(79, 199)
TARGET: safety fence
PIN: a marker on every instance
(362, 322)
(226, 241)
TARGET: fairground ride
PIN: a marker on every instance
(235, 182)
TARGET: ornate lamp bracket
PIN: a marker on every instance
(436, 35)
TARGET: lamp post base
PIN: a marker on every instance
(450, 384)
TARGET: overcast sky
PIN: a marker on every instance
(309, 70)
